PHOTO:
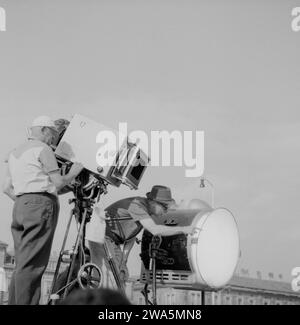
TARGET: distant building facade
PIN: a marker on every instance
(239, 291)
(7, 262)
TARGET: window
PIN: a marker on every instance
(214, 298)
(234, 299)
(208, 298)
(169, 299)
(251, 301)
(193, 299)
(240, 301)
(173, 299)
(228, 300)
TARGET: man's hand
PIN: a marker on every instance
(61, 181)
(161, 253)
(189, 229)
(76, 168)
(10, 193)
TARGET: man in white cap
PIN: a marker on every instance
(33, 180)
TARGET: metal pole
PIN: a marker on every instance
(203, 297)
(113, 268)
(155, 243)
(154, 280)
(212, 190)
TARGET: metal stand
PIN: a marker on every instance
(88, 274)
(79, 243)
(153, 250)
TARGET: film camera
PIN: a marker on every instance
(83, 141)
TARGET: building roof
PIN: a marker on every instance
(248, 284)
(262, 285)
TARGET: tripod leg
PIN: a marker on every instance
(60, 256)
(77, 243)
(113, 268)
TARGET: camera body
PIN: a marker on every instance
(104, 152)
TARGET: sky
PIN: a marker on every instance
(230, 69)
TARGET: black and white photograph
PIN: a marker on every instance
(150, 154)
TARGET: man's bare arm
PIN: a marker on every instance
(139, 214)
(61, 181)
(7, 186)
(155, 229)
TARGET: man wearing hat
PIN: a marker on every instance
(33, 180)
(125, 219)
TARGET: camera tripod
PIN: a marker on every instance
(79, 270)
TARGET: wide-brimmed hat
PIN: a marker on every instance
(161, 194)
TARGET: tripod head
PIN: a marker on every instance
(87, 190)
(89, 187)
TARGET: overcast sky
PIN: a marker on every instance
(228, 68)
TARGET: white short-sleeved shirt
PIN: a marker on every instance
(30, 165)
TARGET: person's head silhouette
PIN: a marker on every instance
(102, 296)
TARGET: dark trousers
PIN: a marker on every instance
(34, 221)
